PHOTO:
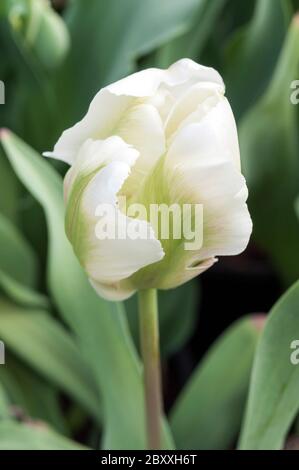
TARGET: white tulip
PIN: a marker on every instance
(155, 137)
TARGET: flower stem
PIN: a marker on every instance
(149, 336)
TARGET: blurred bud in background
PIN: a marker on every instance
(40, 29)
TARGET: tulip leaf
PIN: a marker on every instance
(100, 326)
(138, 27)
(190, 44)
(297, 207)
(208, 413)
(253, 52)
(17, 257)
(41, 342)
(273, 400)
(9, 186)
(28, 395)
(21, 294)
(269, 153)
(4, 403)
(178, 314)
(21, 436)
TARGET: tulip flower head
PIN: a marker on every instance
(154, 192)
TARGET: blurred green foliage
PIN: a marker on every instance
(65, 343)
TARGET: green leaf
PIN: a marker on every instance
(4, 403)
(21, 294)
(40, 341)
(297, 207)
(17, 258)
(273, 397)
(138, 28)
(19, 436)
(175, 326)
(179, 312)
(255, 48)
(9, 187)
(29, 395)
(100, 326)
(201, 24)
(208, 413)
(269, 153)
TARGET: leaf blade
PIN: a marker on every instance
(207, 414)
(103, 335)
(273, 397)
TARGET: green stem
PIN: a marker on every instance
(149, 336)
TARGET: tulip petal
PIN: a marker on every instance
(113, 102)
(198, 99)
(184, 72)
(142, 128)
(222, 191)
(93, 155)
(104, 112)
(116, 291)
(108, 261)
(211, 135)
(182, 273)
(227, 225)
